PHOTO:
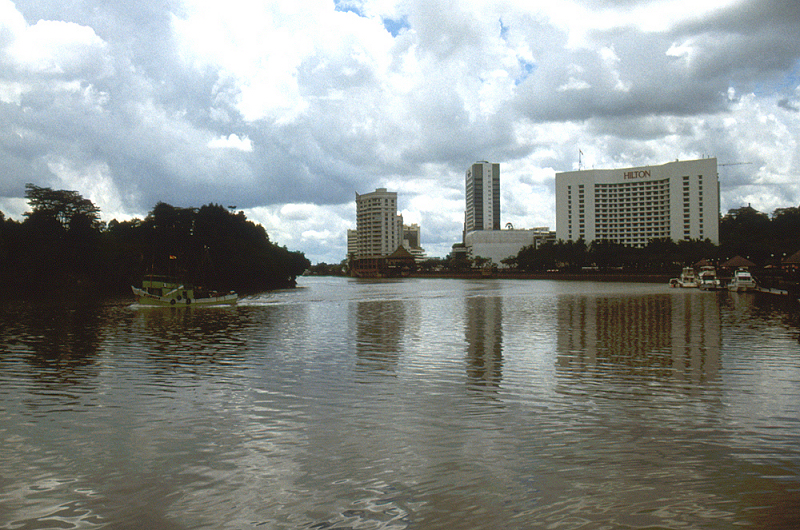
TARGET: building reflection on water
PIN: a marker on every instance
(379, 327)
(658, 336)
(484, 338)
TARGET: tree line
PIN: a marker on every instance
(758, 237)
(62, 245)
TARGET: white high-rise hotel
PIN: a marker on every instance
(379, 230)
(631, 206)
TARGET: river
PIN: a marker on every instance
(409, 404)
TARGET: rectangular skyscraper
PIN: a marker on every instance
(379, 227)
(483, 197)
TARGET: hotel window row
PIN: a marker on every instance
(632, 213)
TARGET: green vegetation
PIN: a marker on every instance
(62, 245)
(744, 232)
(328, 269)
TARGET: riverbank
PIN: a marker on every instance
(592, 276)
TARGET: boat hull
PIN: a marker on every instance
(147, 299)
(684, 284)
(742, 282)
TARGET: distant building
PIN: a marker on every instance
(411, 241)
(498, 245)
(631, 206)
(411, 236)
(482, 186)
(378, 227)
(458, 254)
(352, 244)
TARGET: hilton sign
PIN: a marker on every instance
(636, 174)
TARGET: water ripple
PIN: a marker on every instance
(404, 404)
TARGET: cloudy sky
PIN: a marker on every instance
(287, 108)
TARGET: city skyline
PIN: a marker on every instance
(285, 109)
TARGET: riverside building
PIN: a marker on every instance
(498, 245)
(411, 241)
(631, 206)
(379, 229)
(483, 236)
(482, 185)
(352, 243)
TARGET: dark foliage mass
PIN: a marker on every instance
(744, 232)
(62, 246)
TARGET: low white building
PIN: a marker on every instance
(498, 245)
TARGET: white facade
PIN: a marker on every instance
(631, 206)
(482, 187)
(498, 245)
(379, 228)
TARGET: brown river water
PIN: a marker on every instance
(411, 404)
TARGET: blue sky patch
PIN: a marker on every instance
(347, 7)
(527, 69)
(395, 27)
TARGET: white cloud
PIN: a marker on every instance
(13, 208)
(232, 141)
(131, 104)
(320, 231)
(12, 23)
(683, 50)
(11, 92)
(574, 84)
(55, 47)
(95, 182)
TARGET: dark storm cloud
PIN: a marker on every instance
(789, 105)
(155, 123)
(748, 43)
(682, 71)
(264, 105)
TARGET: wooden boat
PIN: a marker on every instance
(166, 291)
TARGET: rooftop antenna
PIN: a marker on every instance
(580, 164)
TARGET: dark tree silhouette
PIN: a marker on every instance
(62, 246)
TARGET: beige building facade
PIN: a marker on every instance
(678, 200)
(379, 229)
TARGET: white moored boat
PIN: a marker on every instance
(167, 291)
(742, 281)
(687, 279)
(707, 279)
